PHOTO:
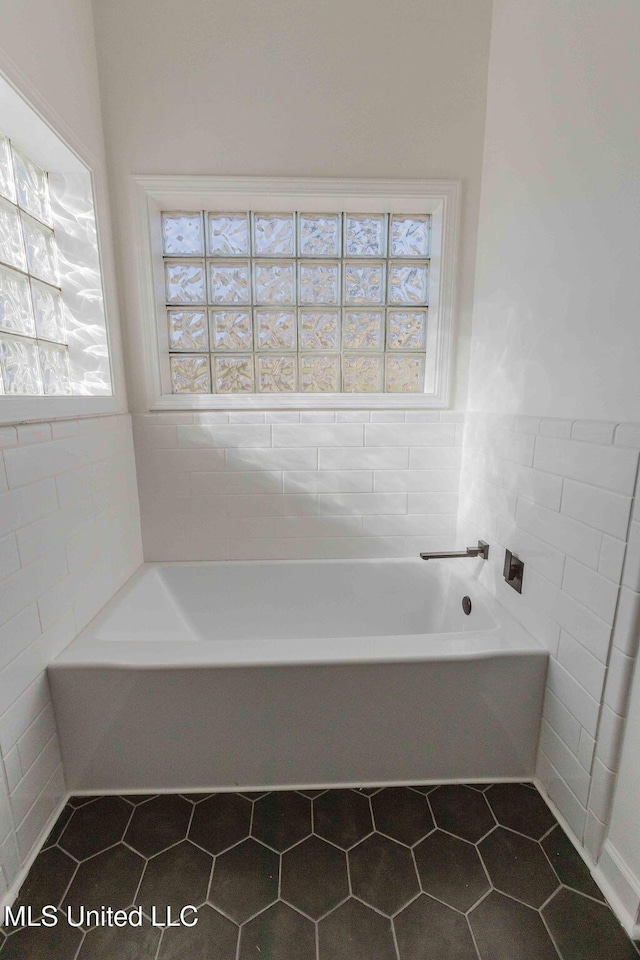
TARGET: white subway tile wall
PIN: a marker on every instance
(69, 538)
(563, 496)
(310, 484)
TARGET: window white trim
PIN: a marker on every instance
(151, 194)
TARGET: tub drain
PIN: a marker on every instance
(466, 605)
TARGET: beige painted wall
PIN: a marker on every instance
(292, 88)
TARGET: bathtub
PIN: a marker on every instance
(206, 676)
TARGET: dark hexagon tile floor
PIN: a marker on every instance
(427, 872)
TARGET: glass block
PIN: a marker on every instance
(234, 374)
(319, 329)
(11, 246)
(364, 283)
(47, 308)
(229, 282)
(407, 329)
(319, 234)
(409, 235)
(54, 361)
(40, 244)
(319, 282)
(365, 235)
(276, 374)
(320, 374)
(7, 183)
(20, 366)
(274, 282)
(228, 234)
(187, 330)
(408, 283)
(363, 330)
(182, 234)
(190, 374)
(32, 186)
(275, 329)
(231, 330)
(361, 373)
(15, 303)
(404, 374)
(273, 235)
(184, 282)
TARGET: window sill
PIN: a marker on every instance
(22, 409)
(300, 401)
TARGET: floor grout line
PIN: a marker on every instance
(371, 892)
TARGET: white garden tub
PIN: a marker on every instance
(223, 675)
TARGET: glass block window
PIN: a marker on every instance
(34, 352)
(260, 302)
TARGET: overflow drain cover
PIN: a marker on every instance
(466, 605)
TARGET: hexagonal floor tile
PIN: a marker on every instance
(343, 817)
(158, 824)
(42, 943)
(423, 788)
(314, 877)
(568, 864)
(518, 867)
(312, 793)
(402, 814)
(450, 870)
(383, 874)
(281, 819)
(47, 880)
(124, 943)
(177, 877)
(245, 880)
(461, 811)
(520, 808)
(136, 798)
(586, 930)
(355, 932)
(220, 822)
(427, 930)
(278, 932)
(109, 878)
(214, 937)
(507, 930)
(95, 826)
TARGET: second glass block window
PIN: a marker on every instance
(282, 302)
(34, 356)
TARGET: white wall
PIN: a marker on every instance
(289, 88)
(554, 386)
(69, 519)
(297, 485)
(622, 850)
(557, 300)
(69, 538)
(560, 495)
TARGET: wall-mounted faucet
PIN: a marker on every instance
(482, 550)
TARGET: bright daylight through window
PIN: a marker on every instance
(33, 343)
(53, 338)
(296, 302)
